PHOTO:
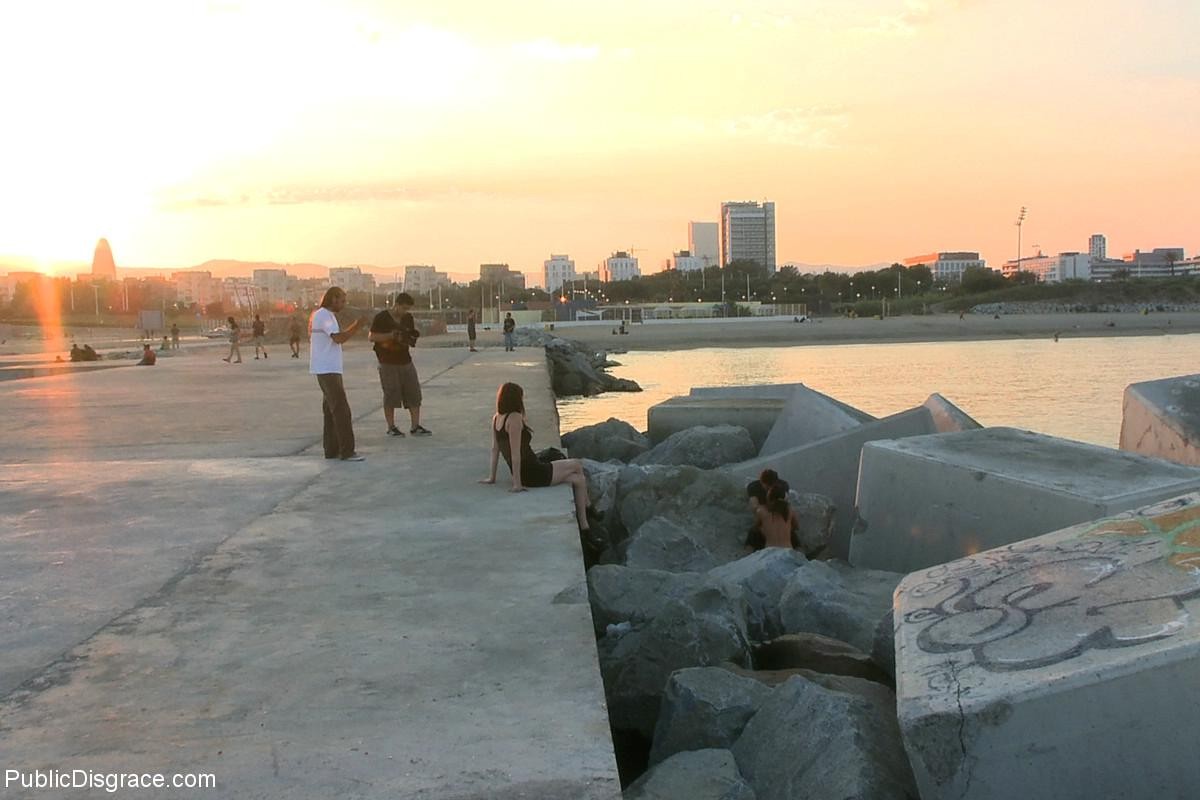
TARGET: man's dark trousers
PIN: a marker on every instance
(338, 433)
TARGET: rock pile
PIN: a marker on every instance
(731, 674)
(1043, 307)
(575, 369)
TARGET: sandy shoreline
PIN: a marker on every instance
(840, 330)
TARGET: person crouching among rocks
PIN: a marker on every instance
(776, 519)
(512, 438)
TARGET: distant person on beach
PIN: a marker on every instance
(776, 519)
(148, 357)
(89, 354)
(325, 361)
(166, 344)
(512, 437)
(174, 336)
(471, 331)
(260, 333)
(76, 352)
(394, 331)
(294, 331)
(235, 337)
(510, 325)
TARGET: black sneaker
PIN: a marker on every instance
(420, 431)
(394, 431)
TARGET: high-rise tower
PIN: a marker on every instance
(103, 265)
(748, 233)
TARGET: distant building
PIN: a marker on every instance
(1160, 262)
(948, 266)
(422, 279)
(273, 284)
(684, 261)
(1098, 246)
(1053, 269)
(620, 266)
(500, 274)
(103, 266)
(748, 233)
(556, 270)
(196, 287)
(351, 279)
(704, 242)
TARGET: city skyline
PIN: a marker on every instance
(394, 133)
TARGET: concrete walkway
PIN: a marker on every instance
(189, 587)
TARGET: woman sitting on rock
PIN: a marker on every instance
(511, 438)
(776, 519)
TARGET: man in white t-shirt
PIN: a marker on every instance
(325, 361)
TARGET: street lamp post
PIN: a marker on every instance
(1020, 222)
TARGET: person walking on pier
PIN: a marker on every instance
(471, 331)
(394, 331)
(325, 361)
(512, 437)
(260, 337)
(510, 325)
(294, 330)
(174, 336)
(235, 338)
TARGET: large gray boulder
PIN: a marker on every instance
(606, 441)
(836, 600)
(663, 544)
(763, 576)
(704, 707)
(577, 370)
(709, 505)
(815, 514)
(623, 594)
(809, 741)
(697, 775)
(818, 653)
(702, 446)
(703, 629)
(602, 484)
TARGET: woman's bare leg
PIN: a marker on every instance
(570, 470)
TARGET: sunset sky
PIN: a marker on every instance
(390, 132)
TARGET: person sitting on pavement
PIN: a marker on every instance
(149, 358)
(512, 437)
(89, 354)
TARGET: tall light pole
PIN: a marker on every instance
(1020, 222)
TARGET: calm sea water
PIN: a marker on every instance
(1070, 388)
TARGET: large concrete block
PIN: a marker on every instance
(931, 499)
(947, 417)
(761, 391)
(808, 416)
(679, 413)
(1162, 419)
(1064, 666)
(829, 466)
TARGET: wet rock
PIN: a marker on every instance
(763, 576)
(836, 600)
(702, 446)
(697, 775)
(810, 741)
(704, 628)
(818, 653)
(602, 484)
(883, 648)
(662, 544)
(606, 441)
(622, 594)
(704, 707)
(708, 504)
(815, 514)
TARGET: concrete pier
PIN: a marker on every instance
(190, 587)
(927, 500)
(1058, 666)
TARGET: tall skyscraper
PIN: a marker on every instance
(1097, 246)
(748, 233)
(103, 265)
(703, 242)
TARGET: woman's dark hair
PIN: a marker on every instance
(768, 477)
(777, 503)
(756, 490)
(331, 294)
(510, 398)
(403, 299)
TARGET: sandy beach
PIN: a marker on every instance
(671, 335)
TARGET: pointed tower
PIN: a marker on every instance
(103, 265)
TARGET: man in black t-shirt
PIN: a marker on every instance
(260, 333)
(394, 331)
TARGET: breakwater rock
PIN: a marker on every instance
(1046, 307)
(575, 369)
